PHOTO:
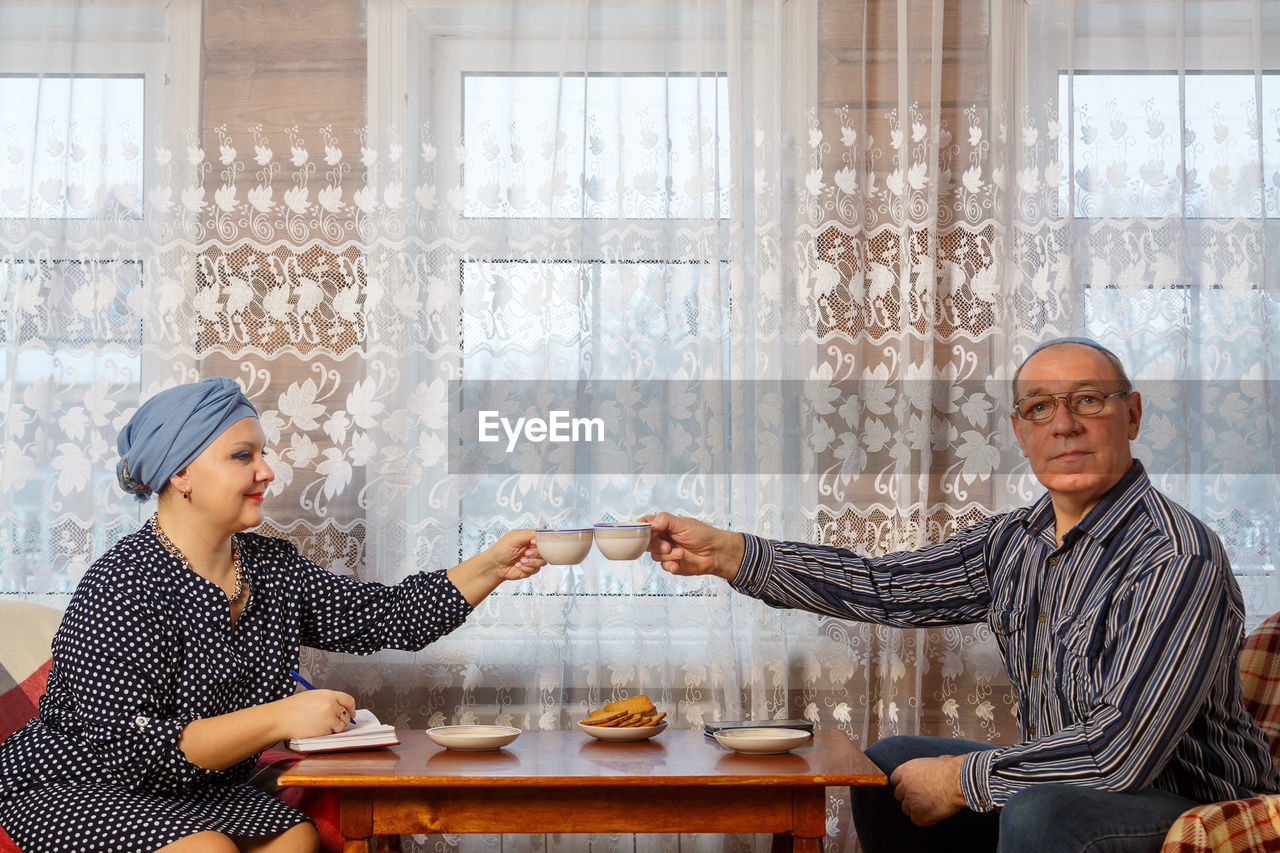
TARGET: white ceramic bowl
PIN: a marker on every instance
(622, 541)
(563, 546)
(473, 738)
(621, 734)
(764, 741)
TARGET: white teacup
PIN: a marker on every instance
(563, 546)
(619, 540)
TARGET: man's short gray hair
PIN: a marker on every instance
(1125, 384)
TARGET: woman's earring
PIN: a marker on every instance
(186, 496)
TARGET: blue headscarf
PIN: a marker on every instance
(172, 428)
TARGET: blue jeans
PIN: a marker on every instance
(1049, 818)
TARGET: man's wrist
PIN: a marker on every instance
(729, 563)
(957, 791)
(975, 788)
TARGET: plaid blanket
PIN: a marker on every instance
(1243, 825)
(1260, 675)
(1236, 825)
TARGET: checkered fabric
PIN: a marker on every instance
(1251, 825)
(24, 660)
(1260, 676)
(24, 669)
(1237, 825)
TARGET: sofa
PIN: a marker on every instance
(24, 668)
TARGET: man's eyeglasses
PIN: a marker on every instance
(1041, 407)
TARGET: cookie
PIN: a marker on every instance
(640, 704)
(603, 717)
(625, 713)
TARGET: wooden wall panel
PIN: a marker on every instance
(278, 68)
(843, 48)
(281, 65)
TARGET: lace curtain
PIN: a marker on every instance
(784, 253)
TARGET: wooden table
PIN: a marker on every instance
(565, 781)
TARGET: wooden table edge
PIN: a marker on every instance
(288, 779)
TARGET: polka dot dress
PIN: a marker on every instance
(147, 646)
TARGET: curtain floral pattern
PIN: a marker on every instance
(797, 286)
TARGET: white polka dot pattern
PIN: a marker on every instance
(146, 646)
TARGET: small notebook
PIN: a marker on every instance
(364, 732)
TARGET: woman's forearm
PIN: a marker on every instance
(475, 577)
(216, 743)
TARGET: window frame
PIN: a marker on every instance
(169, 65)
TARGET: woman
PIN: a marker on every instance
(171, 666)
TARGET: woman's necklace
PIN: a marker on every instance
(173, 550)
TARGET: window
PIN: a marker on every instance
(86, 95)
(1162, 142)
(80, 91)
(86, 146)
(581, 189)
(1156, 143)
(595, 146)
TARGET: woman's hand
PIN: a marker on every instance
(516, 555)
(513, 557)
(315, 712)
(216, 743)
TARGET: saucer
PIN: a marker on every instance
(473, 738)
(765, 741)
(623, 734)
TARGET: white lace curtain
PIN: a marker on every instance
(785, 252)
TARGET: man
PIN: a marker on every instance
(1116, 614)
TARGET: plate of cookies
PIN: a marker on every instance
(627, 719)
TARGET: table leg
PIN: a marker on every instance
(355, 820)
(809, 819)
(781, 843)
(807, 845)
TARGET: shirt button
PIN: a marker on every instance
(1035, 673)
(141, 721)
(1031, 730)
(1043, 617)
(1053, 561)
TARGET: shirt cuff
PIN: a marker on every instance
(454, 600)
(146, 755)
(756, 566)
(975, 779)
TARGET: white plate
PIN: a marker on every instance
(620, 734)
(762, 741)
(473, 738)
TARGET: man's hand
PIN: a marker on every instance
(929, 788)
(686, 546)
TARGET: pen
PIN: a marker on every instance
(302, 681)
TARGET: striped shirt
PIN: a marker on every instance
(1121, 643)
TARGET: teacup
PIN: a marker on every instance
(622, 541)
(563, 546)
